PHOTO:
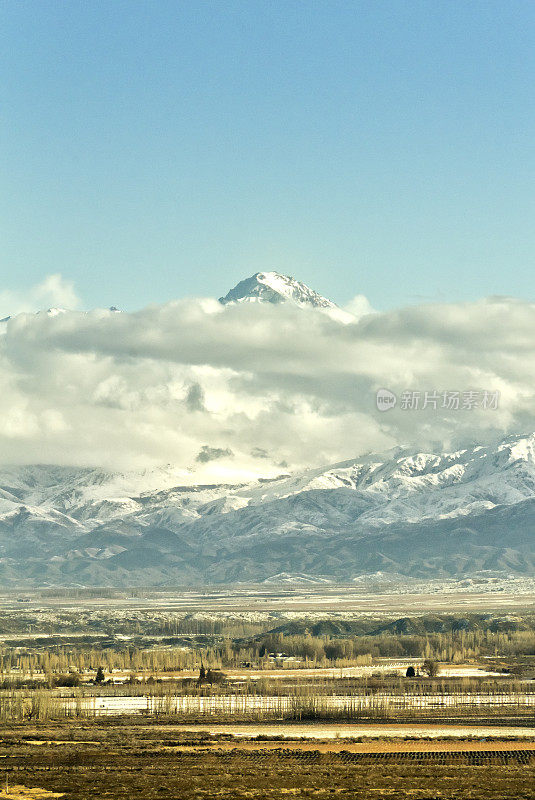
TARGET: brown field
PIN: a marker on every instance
(127, 759)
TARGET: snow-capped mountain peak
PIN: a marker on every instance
(272, 287)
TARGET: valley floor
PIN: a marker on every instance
(305, 694)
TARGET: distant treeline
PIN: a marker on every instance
(291, 645)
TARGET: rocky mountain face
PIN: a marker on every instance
(417, 514)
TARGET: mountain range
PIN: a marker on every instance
(404, 512)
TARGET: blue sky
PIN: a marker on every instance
(153, 150)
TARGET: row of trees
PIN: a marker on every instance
(272, 649)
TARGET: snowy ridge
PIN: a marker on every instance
(393, 487)
(49, 312)
(400, 512)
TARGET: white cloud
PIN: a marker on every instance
(54, 291)
(359, 306)
(158, 385)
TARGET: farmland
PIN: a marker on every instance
(234, 696)
(120, 760)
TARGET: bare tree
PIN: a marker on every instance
(430, 668)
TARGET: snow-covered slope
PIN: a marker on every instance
(407, 512)
(272, 287)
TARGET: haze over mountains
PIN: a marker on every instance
(417, 511)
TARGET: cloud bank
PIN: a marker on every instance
(232, 392)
